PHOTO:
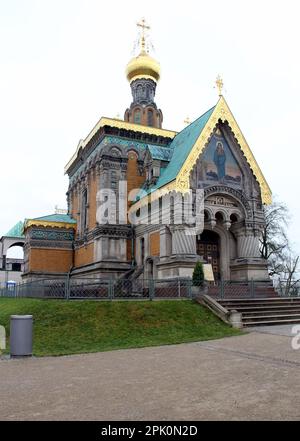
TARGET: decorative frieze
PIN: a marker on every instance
(52, 235)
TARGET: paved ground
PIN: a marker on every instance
(277, 330)
(254, 376)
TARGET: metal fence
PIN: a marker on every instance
(101, 289)
(113, 289)
(225, 289)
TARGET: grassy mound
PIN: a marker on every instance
(70, 327)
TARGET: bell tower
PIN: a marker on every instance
(143, 73)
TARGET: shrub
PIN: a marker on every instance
(198, 274)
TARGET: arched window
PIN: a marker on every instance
(139, 92)
(150, 118)
(172, 212)
(114, 180)
(137, 116)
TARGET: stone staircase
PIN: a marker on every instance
(265, 311)
(239, 290)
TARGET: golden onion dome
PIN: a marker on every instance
(143, 66)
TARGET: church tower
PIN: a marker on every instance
(143, 73)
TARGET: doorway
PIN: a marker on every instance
(208, 246)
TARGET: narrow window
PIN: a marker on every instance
(137, 116)
(142, 250)
(84, 210)
(150, 118)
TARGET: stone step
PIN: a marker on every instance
(264, 309)
(259, 305)
(270, 317)
(270, 313)
(270, 323)
(259, 302)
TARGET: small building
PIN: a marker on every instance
(11, 269)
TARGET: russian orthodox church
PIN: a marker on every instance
(210, 154)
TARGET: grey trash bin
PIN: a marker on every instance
(21, 327)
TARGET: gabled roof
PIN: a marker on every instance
(189, 144)
(181, 147)
(16, 231)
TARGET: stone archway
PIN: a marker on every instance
(223, 249)
(208, 246)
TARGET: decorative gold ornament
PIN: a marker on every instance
(143, 66)
(39, 223)
(142, 24)
(219, 84)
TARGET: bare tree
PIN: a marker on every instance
(283, 263)
(290, 278)
(274, 241)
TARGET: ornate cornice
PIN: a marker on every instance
(46, 224)
(119, 124)
(66, 245)
(117, 231)
(229, 191)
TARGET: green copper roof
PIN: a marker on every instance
(57, 218)
(181, 146)
(161, 153)
(16, 231)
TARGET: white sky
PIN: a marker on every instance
(62, 67)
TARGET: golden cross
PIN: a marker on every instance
(187, 121)
(142, 24)
(219, 84)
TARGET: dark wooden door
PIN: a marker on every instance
(208, 248)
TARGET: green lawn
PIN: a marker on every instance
(70, 327)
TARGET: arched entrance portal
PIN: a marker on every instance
(208, 247)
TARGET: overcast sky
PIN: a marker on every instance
(62, 67)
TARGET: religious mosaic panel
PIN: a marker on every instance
(218, 165)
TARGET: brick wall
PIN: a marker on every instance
(50, 260)
(155, 244)
(84, 255)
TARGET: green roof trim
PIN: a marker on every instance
(65, 218)
(16, 231)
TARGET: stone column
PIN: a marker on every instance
(247, 245)
(183, 243)
(165, 242)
